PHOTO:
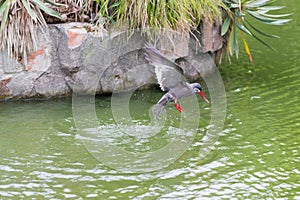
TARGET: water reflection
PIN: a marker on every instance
(51, 161)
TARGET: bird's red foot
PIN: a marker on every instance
(178, 107)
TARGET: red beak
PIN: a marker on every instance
(202, 95)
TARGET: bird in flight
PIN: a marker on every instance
(170, 78)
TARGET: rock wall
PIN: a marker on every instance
(69, 59)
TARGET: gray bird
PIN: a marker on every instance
(170, 78)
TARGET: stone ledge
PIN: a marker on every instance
(69, 59)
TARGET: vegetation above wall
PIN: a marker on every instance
(20, 19)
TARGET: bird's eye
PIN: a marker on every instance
(195, 90)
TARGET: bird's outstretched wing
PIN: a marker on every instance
(168, 74)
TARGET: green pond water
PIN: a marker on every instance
(43, 155)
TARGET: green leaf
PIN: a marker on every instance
(225, 26)
(256, 3)
(246, 47)
(111, 19)
(29, 10)
(115, 4)
(264, 43)
(46, 9)
(266, 9)
(276, 16)
(264, 12)
(260, 32)
(235, 43)
(3, 7)
(5, 16)
(259, 17)
(230, 42)
(269, 8)
(279, 22)
(242, 27)
(234, 5)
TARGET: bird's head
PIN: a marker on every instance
(198, 89)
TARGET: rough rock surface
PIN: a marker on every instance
(71, 59)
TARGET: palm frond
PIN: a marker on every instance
(237, 13)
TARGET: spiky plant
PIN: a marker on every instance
(179, 15)
(236, 22)
(20, 20)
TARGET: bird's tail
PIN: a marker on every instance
(157, 110)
